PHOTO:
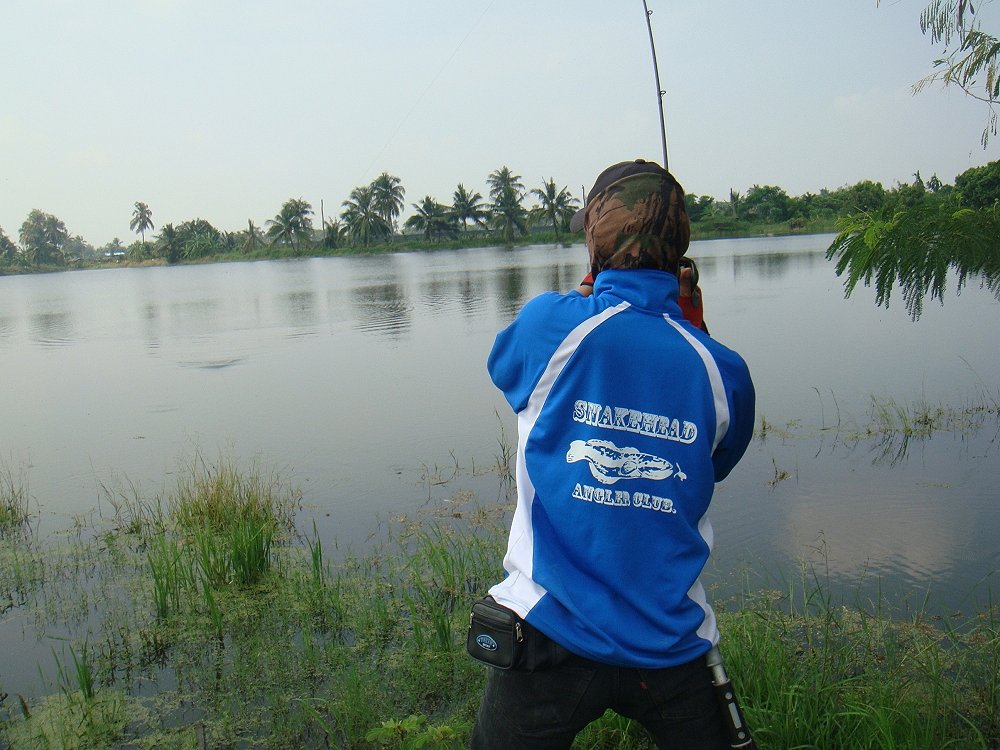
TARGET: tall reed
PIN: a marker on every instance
(213, 556)
(131, 512)
(825, 675)
(14, 507)
(250, 542)
(81, 678)
(171, 572)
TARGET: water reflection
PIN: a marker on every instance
(213, 364)
(445, 295)
(299, 308)
(893, 432)
(707, 266)
(471, 292)
(149, 314)
(773, 266)
(863, 529)
(383, 308)
(196, 317)
(437, 292)
(559, 276)
(512, 292)
(52, 328)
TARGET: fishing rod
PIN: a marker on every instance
(656, 74)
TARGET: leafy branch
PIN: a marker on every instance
(918, 247)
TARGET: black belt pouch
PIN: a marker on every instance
(496, 634)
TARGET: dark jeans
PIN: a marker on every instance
(543, 704)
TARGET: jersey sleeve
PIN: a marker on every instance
(522, 350)
(741, 397)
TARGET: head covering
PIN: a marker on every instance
(635, 218)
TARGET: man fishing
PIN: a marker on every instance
(627, 417)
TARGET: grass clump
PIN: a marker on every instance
(821, 675)
(230, 518)
(14, 503)
(222, 495)
(80, 715)
(71, 722)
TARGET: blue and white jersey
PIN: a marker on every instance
(627, 417)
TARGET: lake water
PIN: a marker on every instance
(362, 379)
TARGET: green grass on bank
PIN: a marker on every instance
(202, 618)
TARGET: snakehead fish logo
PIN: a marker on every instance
(609, 463)
(486, 642)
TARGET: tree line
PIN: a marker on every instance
(370, 216)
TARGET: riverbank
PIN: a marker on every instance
(414, 243)
(215, 616)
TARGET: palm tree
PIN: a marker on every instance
(557, 204)
(8, 250)
(197, 238)
(432, 218)
(388, 197)
(142, 220)
(503, 179)
(292, 224)
(509, 216)
(362, 218)
(333, 231)
(42, 236)
(168, 244)
(253, 238)
(466, 206)
(735, 202)
(507, 192)
(229, 241)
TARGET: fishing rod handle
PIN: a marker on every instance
(732, 716)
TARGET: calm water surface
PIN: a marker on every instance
(360, 377)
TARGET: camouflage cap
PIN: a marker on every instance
(635, 218)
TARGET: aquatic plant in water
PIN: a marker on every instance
(14, 508)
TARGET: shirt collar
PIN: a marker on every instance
(641, 287)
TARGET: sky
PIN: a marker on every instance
(224, 109)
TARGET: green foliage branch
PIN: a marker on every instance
(917, 248)
(973, 65)
(917, 245)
